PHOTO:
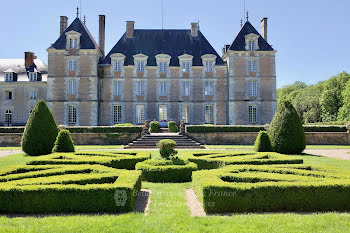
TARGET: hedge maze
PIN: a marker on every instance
(273, 188)
(67, 189)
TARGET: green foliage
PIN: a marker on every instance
(154, 127)
(213, 160)
(273, 188)
(262, 142)
(104, 129)
(11, 129)
(344, 111)
(118, 159)
(167, 148)
(174, 170)
(223, 128)
(40, 132)
(325, 128)
(64, 142)
(286, 131)
(125, 124)
(173, 127)
(67, 189)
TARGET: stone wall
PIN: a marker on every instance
(224, 138)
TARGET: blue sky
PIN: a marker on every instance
(311, 37)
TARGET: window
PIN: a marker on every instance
(209, 114)
(8, 117)
(33, 94)
(186, 66)
(72, 87)
(117, 88)
(163, 113)
(9, 95)
(209, 88)
(8, 77)
(252, 66)
(72, 65)
(252, 114)
(140, 113)
(187, 88)
(251, 45)
(140, 66)
(252, 88)
(117, 113)
(162, 88)
(72, 114)
(163, 67)
(73, 43)
(118, 66)
(209, 66)
(33, 76)
(140, 88)
(186, 113)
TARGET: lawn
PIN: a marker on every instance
(168, 213)
(250, 147)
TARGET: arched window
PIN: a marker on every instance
(8, 117)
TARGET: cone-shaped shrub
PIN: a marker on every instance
(40, 132)
(64, 142)
(262, 142)
(286, 130)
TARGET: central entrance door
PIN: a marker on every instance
(163, 115)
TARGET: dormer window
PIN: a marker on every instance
(118, 66)
(140, 61)
(208, 61)
(163, 67)
(163, 61)
(73, 40)
(185, 61)
(8, 77)
(118, 62)
(185, 66)
(209, 66)
(251, 45)
(33, 77)
(140, 66)
(73, 43)
(251, 42)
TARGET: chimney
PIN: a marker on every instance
(194, 29)
(264, 28)
(130, 29)
(63, 24)
(29, 59)
(102, 24)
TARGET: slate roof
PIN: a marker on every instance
(17, 66)
(86, 39)
(238, 43)
(168, 41)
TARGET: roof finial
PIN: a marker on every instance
(241, 22)
(77, 12)
(84, 20)
(247, 16)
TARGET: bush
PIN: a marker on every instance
(154, 127)
(67, 189)
(262, 142)
(274, 188)
(120, 160)
(213, 160)
(11, 129)
(167, 148)
(175, 170)
(40, 132)
(64, 142)
(325, 128)
(286, 131)
(173, 127)
(104, 129)
(125, 124)
(222, 128)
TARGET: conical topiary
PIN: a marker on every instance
(262, 142)
(286, 130)
(40, 132)
(64, 142)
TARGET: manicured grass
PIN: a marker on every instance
(16, 159)
(88, 147)
(10, 148)
(251, 147)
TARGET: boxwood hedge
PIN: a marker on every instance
(67, 189)
(251, 188)
(213, 160)
(175, 170)
(120, 160)
(223, 128)
(105, 129)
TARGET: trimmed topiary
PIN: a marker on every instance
(286, 130)
(40, 132)
(262, 142)
(173, 127)
(167, 148)
(154, 127)
(64, 142)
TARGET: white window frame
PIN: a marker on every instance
(163, 67)
(252, 66)
(251, 45)
(33, 76)
(8, 117)
(72, 65)
(209, 88)
(140, 88)
(163, 88)
(186, 66)
(73, 43)
(252, 88)
(117, 114)
(8, 77)
(118, 66)
(186, 113)
(117, 88)
(72, 114)
(72, 87)
(209, 114)
(163, 112)
(140, 113)
(186, 88)
(252, 114)
(33, 94)
(140, 66)
(209, 66)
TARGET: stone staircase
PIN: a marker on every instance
(149, 141)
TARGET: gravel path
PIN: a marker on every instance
(331, 153)
(194, 204)
(4, 153)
